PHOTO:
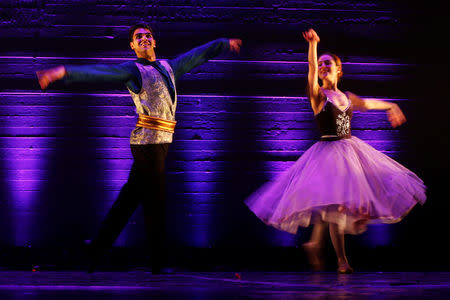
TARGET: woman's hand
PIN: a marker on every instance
(311, 36)
(48, 76)
(395, 115)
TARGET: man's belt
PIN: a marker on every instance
(156, 123)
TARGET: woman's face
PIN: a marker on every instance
(328, 70)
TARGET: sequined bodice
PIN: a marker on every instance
(153, 100)
(334, 123)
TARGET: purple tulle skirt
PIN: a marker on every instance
(346, 182)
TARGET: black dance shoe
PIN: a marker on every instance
(92, 257)
(91, 267)
(162, 271)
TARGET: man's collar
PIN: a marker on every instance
(145, 61)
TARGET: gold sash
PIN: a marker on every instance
(156, 123)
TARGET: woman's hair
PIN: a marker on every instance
(337, 61)
(137, 26)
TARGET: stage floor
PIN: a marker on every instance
(139, 284)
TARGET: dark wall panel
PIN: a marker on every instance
(242, 119)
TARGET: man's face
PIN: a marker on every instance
(143, 43)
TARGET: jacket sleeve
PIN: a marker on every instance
(126, 73)
(197, 56)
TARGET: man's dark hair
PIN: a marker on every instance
(137, 26)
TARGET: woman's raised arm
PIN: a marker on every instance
(313, 88)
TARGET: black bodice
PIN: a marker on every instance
(333, 123)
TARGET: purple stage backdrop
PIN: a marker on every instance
(242, 119)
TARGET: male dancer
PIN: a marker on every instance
(152, 85)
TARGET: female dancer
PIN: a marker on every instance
(340, 182)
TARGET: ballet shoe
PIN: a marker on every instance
(345, 269)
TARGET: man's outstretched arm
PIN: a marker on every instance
(197, 56)
(122, 73)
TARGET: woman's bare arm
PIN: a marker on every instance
(313, 84)
(394, 113)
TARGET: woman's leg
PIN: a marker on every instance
(337, 238)
(314, 246)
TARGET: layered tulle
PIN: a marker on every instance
(346, 182)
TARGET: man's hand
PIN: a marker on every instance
(235, 45)
(48, 76)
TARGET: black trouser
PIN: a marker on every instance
(147, 186)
